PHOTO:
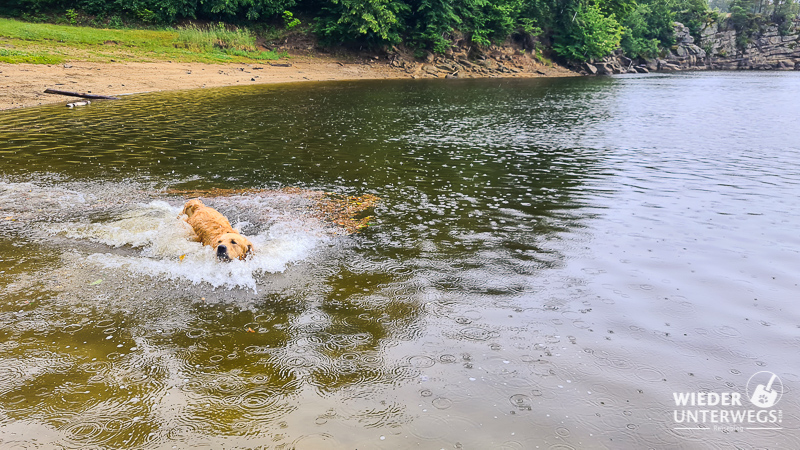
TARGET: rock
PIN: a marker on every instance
(602, 69)
(431, 70)
(489, 64)
(767, 50)
(641, 69)
(466, 63)
(592, 70)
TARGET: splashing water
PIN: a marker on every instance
(150, 238)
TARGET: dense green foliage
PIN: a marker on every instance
(647, 28)
(590, 34)
(374, 21)
(158, 11)
(575, 29)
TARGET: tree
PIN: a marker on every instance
(647, 27)
(375, 21)
(590, 35)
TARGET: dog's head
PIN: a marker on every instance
(191, 206)
(232, 246)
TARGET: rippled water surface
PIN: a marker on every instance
(549, 262)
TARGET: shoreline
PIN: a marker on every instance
(23, 85)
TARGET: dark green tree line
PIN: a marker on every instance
(574, 29)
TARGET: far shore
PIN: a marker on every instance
(23, 85)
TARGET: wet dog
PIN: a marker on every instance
(212, 228)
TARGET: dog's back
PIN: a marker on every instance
(207, 222)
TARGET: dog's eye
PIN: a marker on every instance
(233, 242)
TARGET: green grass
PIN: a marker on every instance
(23, 42)
(16, 56)
(215, 36)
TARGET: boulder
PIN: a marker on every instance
(604, 69)
(431, 70)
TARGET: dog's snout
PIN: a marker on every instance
(222, 252)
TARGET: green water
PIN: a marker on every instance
(550, 261)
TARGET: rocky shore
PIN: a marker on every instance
(717, 50)
(465, 60)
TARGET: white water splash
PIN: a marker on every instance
(166, 251)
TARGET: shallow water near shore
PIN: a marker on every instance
(550, 262)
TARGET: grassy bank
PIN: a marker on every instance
(36, 43)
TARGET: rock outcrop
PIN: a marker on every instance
(767, 50)
(465, 60)
(717, 50)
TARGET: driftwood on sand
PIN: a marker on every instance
(81, 95)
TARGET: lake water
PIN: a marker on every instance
(550, 263)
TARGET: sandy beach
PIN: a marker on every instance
(23, 85)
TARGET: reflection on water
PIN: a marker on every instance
(550, 261)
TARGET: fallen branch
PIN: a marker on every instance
(76, 94)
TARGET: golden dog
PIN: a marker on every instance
(212, 228)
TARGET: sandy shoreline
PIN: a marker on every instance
(23, 85)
